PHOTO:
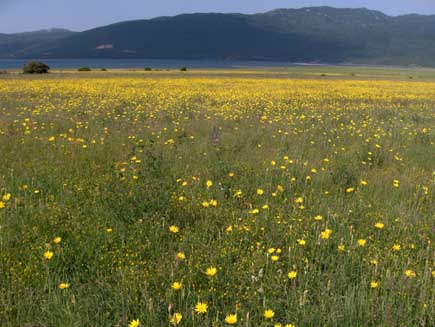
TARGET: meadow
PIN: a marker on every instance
(284, 198)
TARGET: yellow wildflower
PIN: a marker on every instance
(201, 308)
(231, 319)
(211, 271)
(268, 314)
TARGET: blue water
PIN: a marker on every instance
(141, 63)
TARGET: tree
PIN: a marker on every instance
(35, 67)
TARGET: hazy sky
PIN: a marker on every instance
(27, 15)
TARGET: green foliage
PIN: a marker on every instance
(148, 69)
(35, 67)
(183, 69)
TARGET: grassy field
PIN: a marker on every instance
(216, 198)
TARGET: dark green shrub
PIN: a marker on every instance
(103, 69)
(35, 67)
(183, 69)
(148, 69)
(84, 69)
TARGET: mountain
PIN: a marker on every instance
(317, 34)
(20, 42)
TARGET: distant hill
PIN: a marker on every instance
(13, 44)
(318, 34)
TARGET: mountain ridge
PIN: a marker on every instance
(310, 34)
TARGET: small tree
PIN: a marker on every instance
(148, 69)
(84, 69)
(35, 67)
(183, 69)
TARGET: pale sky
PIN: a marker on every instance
(79, 15)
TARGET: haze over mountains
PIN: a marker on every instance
(319, 34)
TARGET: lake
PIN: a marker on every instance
(141, 63)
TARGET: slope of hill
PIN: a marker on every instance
(318, 34)
(19, 42)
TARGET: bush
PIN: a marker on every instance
(3, 72)
(35, 67)
(183, 69)
(84, 69)
(103, 69)
(148, 69)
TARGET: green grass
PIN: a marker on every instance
(102, 159)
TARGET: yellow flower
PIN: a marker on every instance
(274, 258)
(57, 240)
(51, 139)
(6, 197)
(174, 229)
(374, 284)
(238, 194)
(231, 319)
(134, 323)
(209, 183)
(302, 242)
(362, 242)
(318, 218)
(350, 190)
(271, 250)
(2, 205)
(176, 286)
(260, 191)
(364, 183)
(201, 308)
(268, 314)
(433, 274)
(63, 286)
(379, 225)
(176, 318)
(326, 234)
(109, 230)
(341, 247)
(292, 274)
(48, 255)
(299, 200)
(396, 247)
(211, 271)
(410, 274)
(205, 204)
(180, 256)
(214, 203)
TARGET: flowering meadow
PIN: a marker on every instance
(150, 199)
